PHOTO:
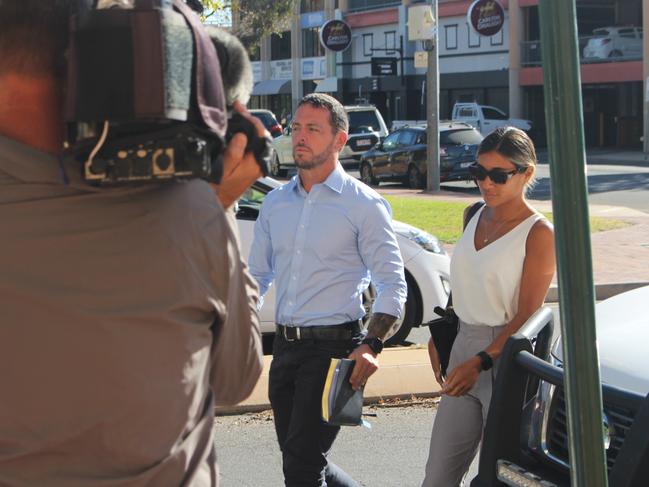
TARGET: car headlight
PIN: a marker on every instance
(425, 240)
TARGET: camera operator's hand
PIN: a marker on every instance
(240, 169)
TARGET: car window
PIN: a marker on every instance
(466, 112)
(366, 118)
(252, 198)
(265, 118)
(421, 138)
(600, 32)
(407, 137)
(493, 114)
(460, 137)
(390, 141)
(627, 33)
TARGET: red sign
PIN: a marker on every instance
(486, 17)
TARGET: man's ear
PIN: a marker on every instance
(341, 140)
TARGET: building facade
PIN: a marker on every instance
(503, 70)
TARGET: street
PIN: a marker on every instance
(616, 185)
(391, 454)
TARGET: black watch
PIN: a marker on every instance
(486, 362)
(375, 343)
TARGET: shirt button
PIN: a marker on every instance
(301, 226)
(298, 251)
(290, 303)
(294, 278)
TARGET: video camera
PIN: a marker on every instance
(148, 93)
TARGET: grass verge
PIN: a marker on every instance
(444, 219)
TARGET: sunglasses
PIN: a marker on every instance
(498, 176)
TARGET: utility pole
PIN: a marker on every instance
(432, 104)
(563, 109)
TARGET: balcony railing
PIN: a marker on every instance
(597, 51)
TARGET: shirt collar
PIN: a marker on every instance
(335, 181)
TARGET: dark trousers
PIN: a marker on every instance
(297, 376)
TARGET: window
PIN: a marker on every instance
(466, 112)
(493, 114)
(497, 39)
(311, 46)
(368, 44)
(311, 6)
(460, 137)
(280, 46)
(474, 38)
(363, 118)
(390, 142)
(407, 138)
(390, 41)
(450, 33)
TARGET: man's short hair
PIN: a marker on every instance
(34, 35)
(338, 115)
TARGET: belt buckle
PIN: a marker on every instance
(297, 333)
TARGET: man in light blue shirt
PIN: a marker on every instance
(320, 238)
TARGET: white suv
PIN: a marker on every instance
(366, 129)
(614, 42)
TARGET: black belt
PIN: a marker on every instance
(342, 331)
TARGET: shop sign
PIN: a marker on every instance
(487, 17)
(335, 35)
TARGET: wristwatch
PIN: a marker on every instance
(375, 343)
(486, 362)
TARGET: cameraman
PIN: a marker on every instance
(127, 313)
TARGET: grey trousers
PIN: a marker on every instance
(458, 426)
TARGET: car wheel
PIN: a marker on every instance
(408, 317)
(366, 175)
(414, 178)
(615, 53)
(275, 168)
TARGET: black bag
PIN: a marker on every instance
(444, 330)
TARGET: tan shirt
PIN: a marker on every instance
(125, 315)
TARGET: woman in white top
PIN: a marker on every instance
(501, 270)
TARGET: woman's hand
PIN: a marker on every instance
(463, 377)
(435, 363)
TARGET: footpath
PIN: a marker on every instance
(620, 263)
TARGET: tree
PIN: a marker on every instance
(257, 18)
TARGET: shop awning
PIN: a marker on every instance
(272, 87)
(327, 85)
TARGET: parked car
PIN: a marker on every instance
(426, 265)
(527, 437)
(614, 42)
(486, 118)
(402, 155)
(366, 128)
(268, 119)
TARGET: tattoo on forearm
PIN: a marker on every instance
(380, 325)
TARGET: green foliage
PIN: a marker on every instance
(257, 18)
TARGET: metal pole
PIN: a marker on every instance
(432, 102)
(645, 77)
(563, 108)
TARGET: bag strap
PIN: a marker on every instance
(473, 209)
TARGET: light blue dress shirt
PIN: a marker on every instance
(321, 248)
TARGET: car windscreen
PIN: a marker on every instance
(460, 137)
(362, 119)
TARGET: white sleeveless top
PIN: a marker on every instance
(486, 282)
